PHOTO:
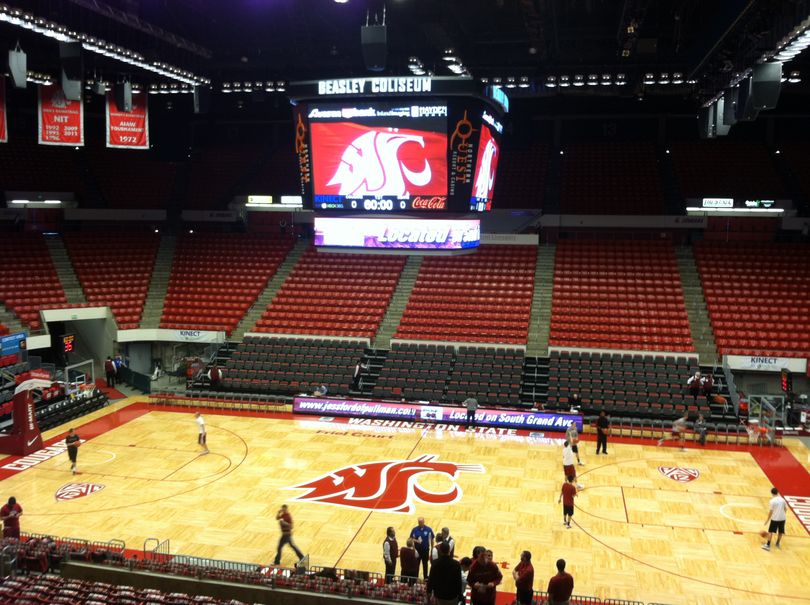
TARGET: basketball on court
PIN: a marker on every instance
(763, 534)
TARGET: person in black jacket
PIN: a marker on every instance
(602, 430)
(444, 579)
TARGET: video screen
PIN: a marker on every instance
(486, 167)
(408, 234)
(384, 157)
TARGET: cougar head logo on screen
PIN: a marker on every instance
(390, 486)
(371, 166)
(486, 175)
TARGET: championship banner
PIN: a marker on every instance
(3, 128)
(128, 130)
(61, 122)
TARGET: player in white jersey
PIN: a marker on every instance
(777, 515)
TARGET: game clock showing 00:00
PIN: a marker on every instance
(385, 157)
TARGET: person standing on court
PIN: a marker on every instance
(409, 562)
(10, 514)
(524, 579)
(777, 515)
(484, 576)
(444, 580)
(572, 435)
(285, 522)
(110, 372)
(202, 437)
(569, 470)
(72, 441)
(567, 495)
(560, 586)
(423, 538)
(602, 430)
(390, 554)
(700, 429)
(471, 405)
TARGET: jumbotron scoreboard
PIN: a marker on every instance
(415, 145)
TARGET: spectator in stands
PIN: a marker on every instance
(560, 586)
(214, 376)
(524, 579)
(423, 538)
(409, 562)
(484, 576)
(576, 402)
(390, 554)
(10, 514)
(602, 431)
(321, 391)
(471, 404)
(706, 385)
(700, 429)
(444, 580)
(694, 385)
(285, 522)
(357, 379)
(110, 371)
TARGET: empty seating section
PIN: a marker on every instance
(521, 178)
(492, 376)
(32, 167)
(415, 372)
(481, 297)
(114, 269)
(334, 295)
(618, 295)
(48, 588)
(756, 294)
(723, 169)
(291, 366)
(215, 173)
(215, 278)
(624, 384)
(611, 178)
(28, 279)
(131, 180)
(797, 156)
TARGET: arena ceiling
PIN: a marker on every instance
(705, 42)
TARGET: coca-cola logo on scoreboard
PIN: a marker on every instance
(437, 202)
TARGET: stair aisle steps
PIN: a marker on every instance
(64, 270)
(540, 318)
(11, 321)
(696, 310)
(266, 297)
(399, 300)
(159, 284)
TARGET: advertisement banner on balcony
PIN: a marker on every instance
(60, 121)
(384, 411)
(128, 129)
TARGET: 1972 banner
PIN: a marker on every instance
(61, 121)
(128, 129)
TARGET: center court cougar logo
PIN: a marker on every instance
(681, 475)
(389, 486)
(71, 491)
(371, 166)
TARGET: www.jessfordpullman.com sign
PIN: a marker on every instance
(518, 419)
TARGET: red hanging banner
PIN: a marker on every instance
(128, 130)
(61, 122)
(3, 128)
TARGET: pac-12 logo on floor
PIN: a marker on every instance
(71, 491)
(389, 486)
(680, 474)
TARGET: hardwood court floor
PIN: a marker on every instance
(638, 533)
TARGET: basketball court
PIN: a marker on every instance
(653, 523)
